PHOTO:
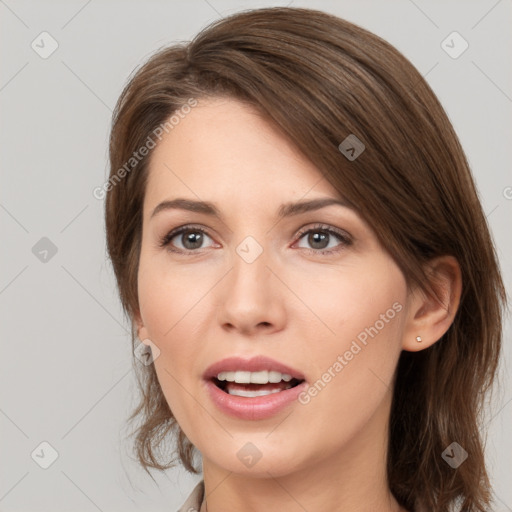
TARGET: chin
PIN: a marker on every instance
(255, 456)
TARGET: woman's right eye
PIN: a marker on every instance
(190, 238)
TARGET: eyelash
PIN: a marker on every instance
(343, 238)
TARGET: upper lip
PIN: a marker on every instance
(254, 364)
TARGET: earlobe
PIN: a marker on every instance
(430, 316)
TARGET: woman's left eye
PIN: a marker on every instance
(320, 238)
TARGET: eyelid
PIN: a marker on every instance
(324, 227)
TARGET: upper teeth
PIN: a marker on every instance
(263, 377)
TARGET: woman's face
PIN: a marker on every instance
(312, 290)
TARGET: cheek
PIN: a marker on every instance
(169, 295)
(173, 300)
(354, 367)
(362, 315)
(351, 300)
(167, 309)
(164, 302)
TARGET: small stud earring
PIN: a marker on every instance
(418, 339)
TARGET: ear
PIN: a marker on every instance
(430, 317)
(142, 332)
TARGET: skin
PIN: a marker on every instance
(292, 304)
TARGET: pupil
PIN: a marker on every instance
(318, 237)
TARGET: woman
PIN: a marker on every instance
(299, 245)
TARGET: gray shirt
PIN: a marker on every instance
(193, 503)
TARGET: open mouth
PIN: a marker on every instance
(254, 384)
(253, 389)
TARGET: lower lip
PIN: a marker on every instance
(255, 408)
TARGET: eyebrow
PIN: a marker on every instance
(285, 210)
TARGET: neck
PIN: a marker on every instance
(316, 489)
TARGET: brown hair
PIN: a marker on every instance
(319, 79)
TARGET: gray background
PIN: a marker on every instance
(65, 371)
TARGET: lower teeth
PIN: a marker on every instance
(251, 394)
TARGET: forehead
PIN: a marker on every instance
(225, 149)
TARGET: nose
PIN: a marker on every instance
(251, 299)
